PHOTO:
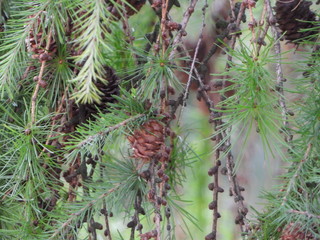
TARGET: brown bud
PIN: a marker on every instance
(211, 236)
(43, 83)
(97, 225)
(224, 171)
(220, 190)
(45, 57)
(213, 170)
(132, 224)
(139, 227)
(212, 205)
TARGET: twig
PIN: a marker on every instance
(280, 78)
(106, 217)
(163, 33)
(309, 215)
(186, 92)
(36, 90)
(234, 27)
(108, 130)
(232, 177)
(261, 36)
(215, 122)
(53, 124)
(236, 192)
(217, 43)
(90, 204)
(186, 16)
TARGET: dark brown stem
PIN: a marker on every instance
(186, 92)
(106, 219)
(36, 90)
(309, 215)
(186, 16)
(85, 208)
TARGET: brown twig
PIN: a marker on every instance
(186, 16)
(106, 219)
(186, 92)
(108, 130)
(262, 32)
(306, 213)
(36, 90)
(90, 204)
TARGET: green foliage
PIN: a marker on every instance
(250, 100)
(296, 200)
(88, 123)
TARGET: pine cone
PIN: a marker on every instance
(108, 89)
(36, 41)
(290, 15)
(293, 231)
(148, 140)
(136, 6)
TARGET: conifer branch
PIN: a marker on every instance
(39, 80)
(306, 213)
(190, 75)
(13, 51)
(186, 16)
(85, 208)
(107, 131)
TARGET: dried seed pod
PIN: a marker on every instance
(168, 227)
(43, 83)
(211, 186)
(97, 225)
(294, 231)
(213, 170)
(139, 227)
(132, 224)
(220, 190)
(238, 219)
(224, 171)
(141, 211)
(212, 205)
(167, 186)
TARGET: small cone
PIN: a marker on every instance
(108, 89)
(293, 231)
(148, 140)
(37, 39)
(131, 7)
(291, 17)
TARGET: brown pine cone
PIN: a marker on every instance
(291, 16)
(108, 89)
(148, 140)
(293, 231)
(131, 7)
(36, 40)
